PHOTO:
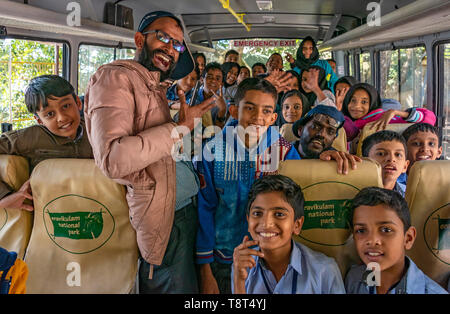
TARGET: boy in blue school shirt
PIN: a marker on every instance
(281, 266)
(245, 150)
(388, 148)
(382, 232)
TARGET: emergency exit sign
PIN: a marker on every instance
(264, 43)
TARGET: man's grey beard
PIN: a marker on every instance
(145, 58)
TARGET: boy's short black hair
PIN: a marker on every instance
(261, 65)
(373, 196)
(255, 83)
(382, 136)
(46, 86)
(231, 52)
(213, 65)
(278, 183)
(421, 127)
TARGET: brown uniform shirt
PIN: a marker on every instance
(36, 143)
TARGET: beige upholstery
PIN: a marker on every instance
(428, 197)
(81, 218)
(340, 143)
(327, 213)
(15, 225)
(366, 131)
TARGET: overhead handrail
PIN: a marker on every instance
(239, 16)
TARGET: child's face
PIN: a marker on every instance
(256, 70)
(392, 158)
(188, 82)
(275, 62)
(292, 109)
(379, 236)
(243, 74)
(359, 104)
(61, 116)
(232, 57)
(307, 49)
(200, 63)
(340, 86)
(305, 77)
(232, 75)
(423, 146)
(271, 221)
(213, 80)
(256, 109)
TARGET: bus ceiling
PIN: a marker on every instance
(340, 24)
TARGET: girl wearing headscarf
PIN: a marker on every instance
(362, 105)
(314, 86)
(341, 88)
(230, 74)
(307, 56)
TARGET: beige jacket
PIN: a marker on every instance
(129, 127)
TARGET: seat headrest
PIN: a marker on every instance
(327, 210)
(15, 225)
(428, 197)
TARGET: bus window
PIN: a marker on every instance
(365, 68)
(445, 50)
(403, 76)
(351, 65)
(90, 58)
(20, 61)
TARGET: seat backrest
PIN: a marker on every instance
(327, 210)
(366, 131)
(340, 143)
(82, 240)
(428, 197)
(15, 224)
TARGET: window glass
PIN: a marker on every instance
(351, 68)
(403, 76)
(20, 61)
(365, 69)
(91, 57)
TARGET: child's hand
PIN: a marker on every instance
(16, 199)
(340, 95)
(342, 158)
(280, 80)
(312, 81)
(220, 103)
(385, 118)
(290, 58)
(242, 259)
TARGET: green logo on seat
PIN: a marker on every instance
(78, 224)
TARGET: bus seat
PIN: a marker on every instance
(428, 197)
(327, 196)
(82, 240)
(366, 131)
(15, 225)
(340, 143)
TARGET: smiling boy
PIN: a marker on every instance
(60, 132)
(382, 232)
(275, 213)
(246, 150)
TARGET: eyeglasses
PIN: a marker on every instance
(163, 37)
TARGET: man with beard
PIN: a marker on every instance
(317, 130)
(133, 138)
